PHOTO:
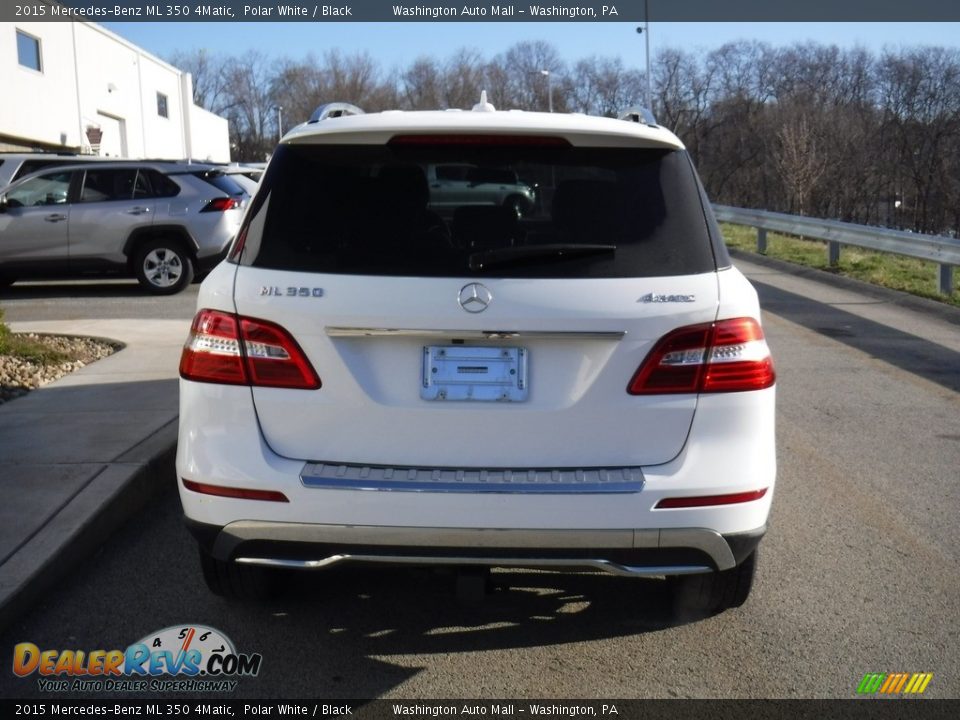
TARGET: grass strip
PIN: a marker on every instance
(918, 277)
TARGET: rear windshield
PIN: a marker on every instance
(530, 211)
(223, 183)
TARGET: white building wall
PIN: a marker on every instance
(210, 136)
(93, 78)
(39, 105)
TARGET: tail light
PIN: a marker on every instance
(221, 204)
(725, 356)
(231, 350)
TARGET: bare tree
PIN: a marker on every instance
(601, 86)
(808, 128)
(209, 78)
(422, 85)
(463, 79)
(799, 161)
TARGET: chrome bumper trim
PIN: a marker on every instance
(475, 334)
(345, 536)
(553, 481)
(537, 564)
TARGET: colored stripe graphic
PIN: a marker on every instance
(871, 683)
(894, 683)
(919, 683)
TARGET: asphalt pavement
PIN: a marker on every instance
(84, 454)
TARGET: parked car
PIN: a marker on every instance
(245, 176)
(14, 166)
(156, 221)
(585, 386)
(454, 185)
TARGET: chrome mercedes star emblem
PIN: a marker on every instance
(474, 298)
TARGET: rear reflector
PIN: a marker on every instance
(725, 356)
(710, 500)
(220, 204)
(232, 492)
(231, 350)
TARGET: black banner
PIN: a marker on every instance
(860, 709)
(482, 11)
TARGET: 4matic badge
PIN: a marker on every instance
(186, 658)
(658, 298)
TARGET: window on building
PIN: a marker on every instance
(162, 105)
(28, 51)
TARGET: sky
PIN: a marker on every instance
(396, 44)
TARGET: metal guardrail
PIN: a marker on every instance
(942, 250)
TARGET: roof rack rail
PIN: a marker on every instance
(334, 109)
(639, 115)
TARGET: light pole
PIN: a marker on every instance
(645, 31)
(279, 123)
(546, 73)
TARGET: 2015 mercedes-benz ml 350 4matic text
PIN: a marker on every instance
(582, 385)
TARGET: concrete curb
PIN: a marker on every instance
(84, 454)
(114, 494)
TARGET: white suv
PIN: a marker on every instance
(585, 385)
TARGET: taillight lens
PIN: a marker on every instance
(212, 352)
(231, 350)
(221, 204)
(725, 356)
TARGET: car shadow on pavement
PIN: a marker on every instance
(342, 633)
(912, 353)
(77, 289)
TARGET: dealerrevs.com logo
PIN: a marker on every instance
(181, 658)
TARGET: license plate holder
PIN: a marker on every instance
(474, 373)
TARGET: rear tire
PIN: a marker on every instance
(163, 267)
(237, 582)
(709, 593)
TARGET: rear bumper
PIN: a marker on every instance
(632, 552)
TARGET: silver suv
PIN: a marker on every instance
(455, 185)
(14, 166)
(158, 222)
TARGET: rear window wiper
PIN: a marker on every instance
(487, 259)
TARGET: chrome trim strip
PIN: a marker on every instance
(243, 530)
(543, 481)
(503, 488)
(537, 564)
(474, 334)
(708, 541)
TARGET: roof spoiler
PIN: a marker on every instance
(639, 115)
(332, 110)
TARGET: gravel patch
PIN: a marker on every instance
(19, 376)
